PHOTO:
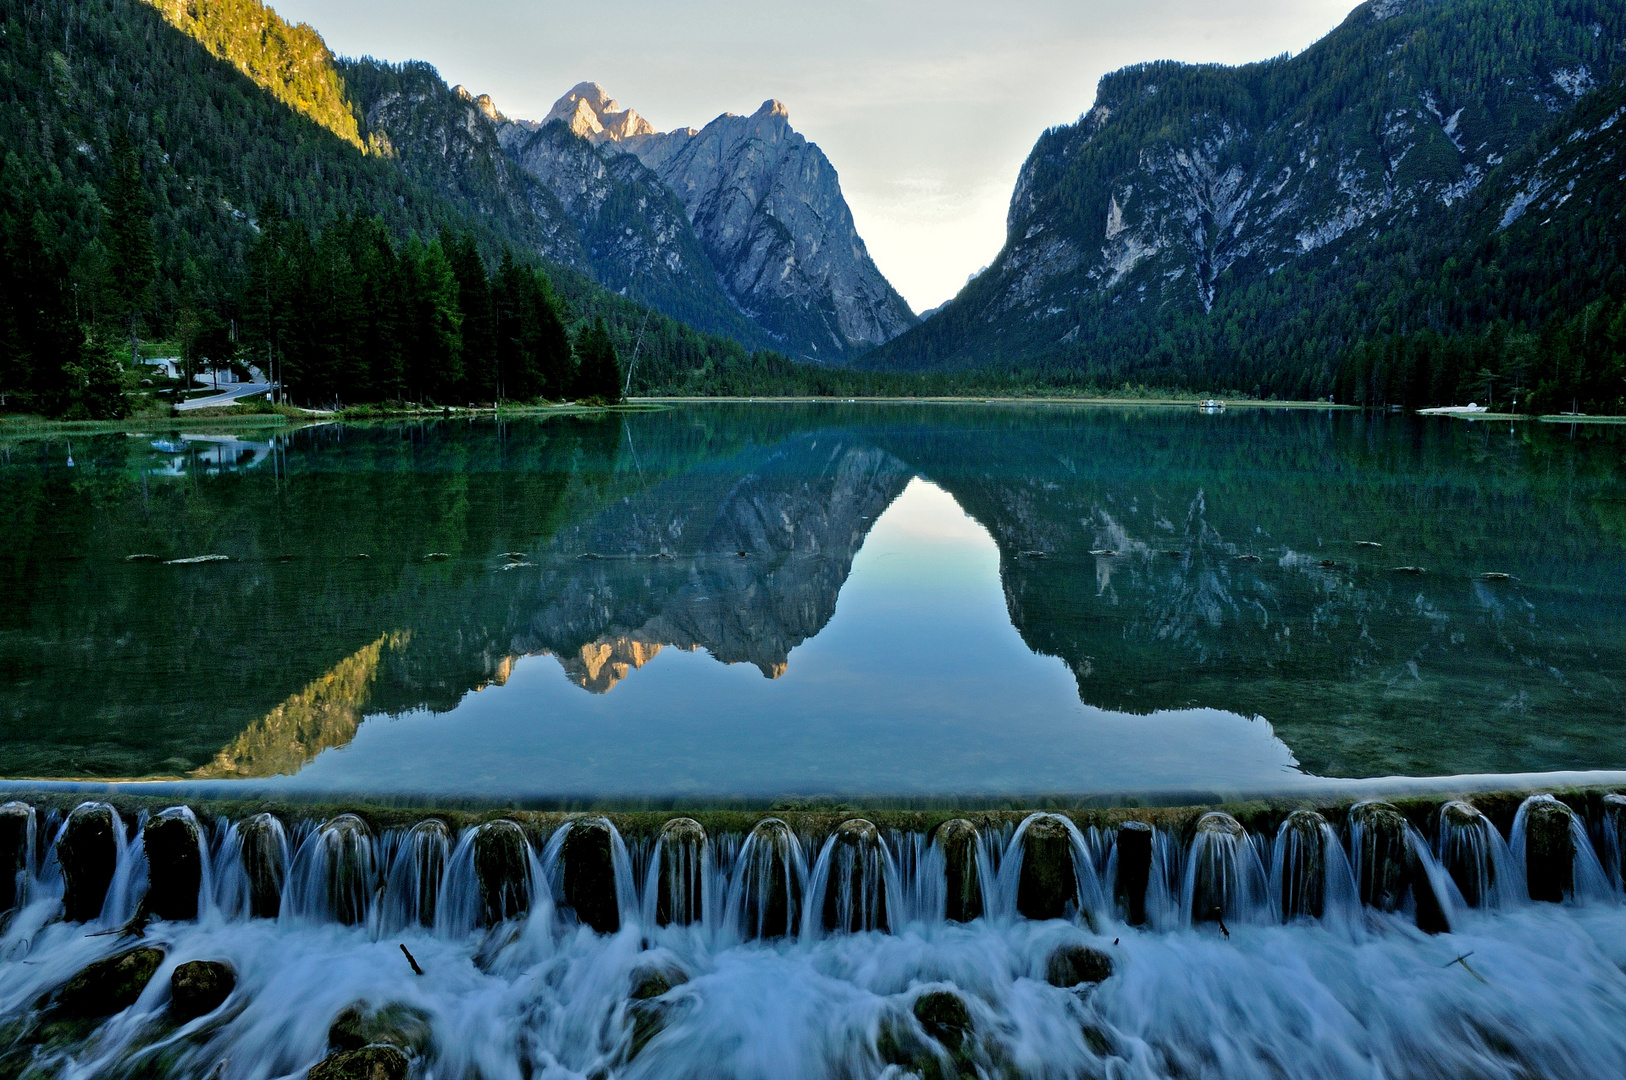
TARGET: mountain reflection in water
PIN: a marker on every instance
(1127, 590)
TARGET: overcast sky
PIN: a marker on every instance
(926, 108)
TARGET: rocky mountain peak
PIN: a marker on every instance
(591, 113)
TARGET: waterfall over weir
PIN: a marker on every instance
(1359, 948)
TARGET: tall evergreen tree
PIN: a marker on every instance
(433, 342)
(599, 373)
(475, 304)
(129, 234)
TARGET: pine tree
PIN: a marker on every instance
(599, 373)
(129, 234)
(475, 303)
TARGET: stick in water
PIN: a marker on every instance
(1463, 960)
(416, 970)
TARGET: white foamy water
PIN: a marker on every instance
(1515, 989)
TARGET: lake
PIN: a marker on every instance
(773, 604)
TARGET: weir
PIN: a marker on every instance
(1080, 894)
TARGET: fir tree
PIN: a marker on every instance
(599, 373)
(129, 233)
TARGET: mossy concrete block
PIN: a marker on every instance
(199, 987)
(1549, 850)
(1048, 884)
(958, 841)
(88, 853)
(110, 986)
(589, 878)
(174, 866)
(502, 868)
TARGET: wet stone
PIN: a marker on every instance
(855, 895)
(1076, 965)
(1466, 851)
(15, 818)
(1304, 864)
(1134, 870)
(350, 879)
(88, 853)
(199, 987)
(174, 866)
(1549, 850)
(589, 878)
(773, 895)
(958, 841)
(264, 853)
(646, 1008)
(1614, 812)
(1048, 885)
(679, 891)
(110, 986)
(366, 1063)
(397, 1025)
(502, 867)
(1381, 856)
(1212, 885)
(944, 1016)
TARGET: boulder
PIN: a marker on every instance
(199, 987)
(646, 1009)
(397, 1025)
(1302, 842)
(110, 986)
(502, 868)
(1048, 884)
(88, 853)
(772, 889)
(174, 865)
(1134, 870)
(347, 845)
(365, 1063)
(958, 841)
(680, 887)
(1220, 858)
(1075, 965)
(945, 1017)
(1378, 833)
(589, 878)
(1549, 849)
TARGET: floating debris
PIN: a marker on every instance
(743, 554)
(361, 555)
(589, 555)
(1329, 563)
(1103, 552)
(661, 555)
(436, 556)
(143, 557)
(1035, 555)
(196, 559)
(516, 556)
(515, 565)
(1245, 558)
(1495, 575)
(1408, 570)
(1368, 543)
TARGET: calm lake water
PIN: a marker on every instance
(792, 602)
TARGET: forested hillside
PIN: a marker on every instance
(1423, 207)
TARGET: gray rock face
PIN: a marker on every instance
(746, 205)
(768, 208)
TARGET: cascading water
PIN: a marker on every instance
(334, 875)
(1476, 857)
(1224, 879)
(854, 882)
(1394, 868)
(17, 824)
(1611, 836)
(538, 992)
(1550, 845)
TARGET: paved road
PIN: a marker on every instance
(228, 394)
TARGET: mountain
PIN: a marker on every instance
(763, 203)
(1265, 226)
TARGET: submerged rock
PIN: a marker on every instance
(174, 865)
(264, 851)
(16, 834)
(1073, 965)
(366, 1063)
(400, 1026)
(199, 987)
(770, 881)
(945, 1017)
(646, 1009)
(855, 893)
(502, 868)
(1048, 884)
(1549, 849)
(680, 887)
(111, 985)
(1303, 855)
(589, 879)
(958, 841)
(88, 853)
(1134, 870)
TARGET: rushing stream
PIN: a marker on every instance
(1368, 949)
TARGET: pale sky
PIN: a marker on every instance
(927, 108)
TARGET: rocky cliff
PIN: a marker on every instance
(1184, 187)
(763, 203)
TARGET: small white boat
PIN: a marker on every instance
(1453, 410)
(1211, 405)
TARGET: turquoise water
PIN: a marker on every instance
(786, 602)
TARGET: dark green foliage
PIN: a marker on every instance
(532, 349)
(95, 385)
(599, 373)
(129, 233)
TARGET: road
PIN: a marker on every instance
(228, 394)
